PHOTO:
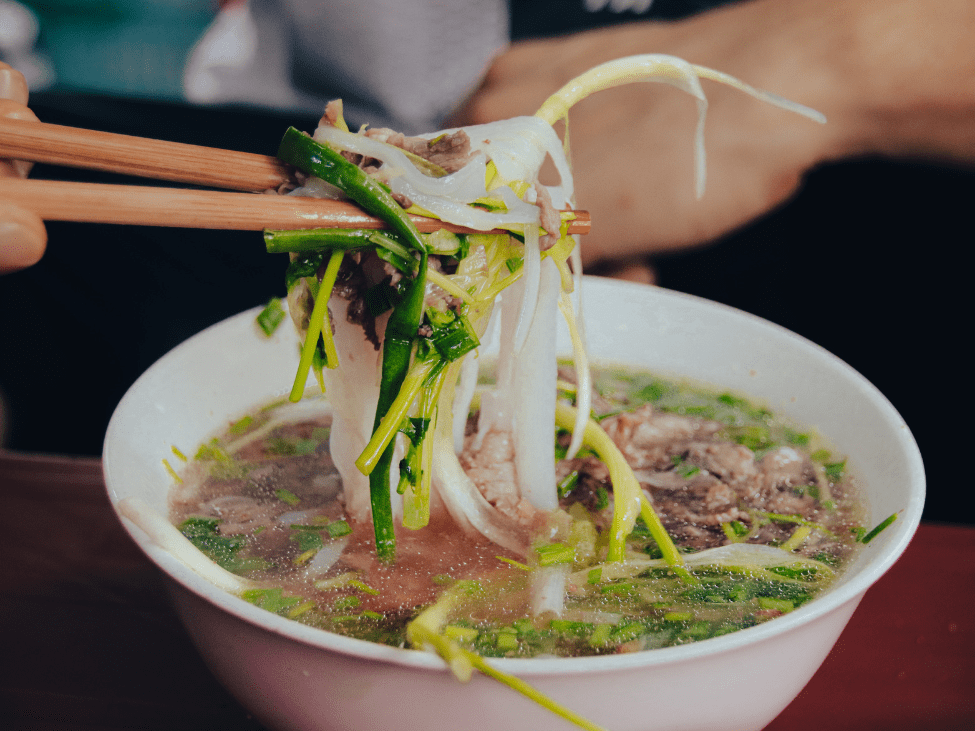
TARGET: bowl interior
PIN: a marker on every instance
(225, 371)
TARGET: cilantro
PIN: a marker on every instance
(273, 600)
(203, 532)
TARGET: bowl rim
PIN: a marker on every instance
(848, 591)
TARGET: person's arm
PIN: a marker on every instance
(892, 77)
(23, 237)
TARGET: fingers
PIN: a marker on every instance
(23, 238)
(13, 85)
(12, 109)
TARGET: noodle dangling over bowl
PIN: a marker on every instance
(293, 676)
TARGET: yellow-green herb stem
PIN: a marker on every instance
(629, 500)
(390, 423)
(317, 328)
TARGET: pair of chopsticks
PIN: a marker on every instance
(178, 207)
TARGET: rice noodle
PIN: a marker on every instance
(506, 156)
(353, 389)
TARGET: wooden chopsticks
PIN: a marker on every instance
(139, 156)
(55, 200)
(178, 162)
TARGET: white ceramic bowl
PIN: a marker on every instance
(294, 677)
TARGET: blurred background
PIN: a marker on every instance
(127, 47)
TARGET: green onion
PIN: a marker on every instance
(322, 161)
(554, 553)
(317, 328)
(287, 496)
(172, 473)
(834, 470)
(271, 316)
(876, 531)
(338, 529)
(568, 483)
(781, 605)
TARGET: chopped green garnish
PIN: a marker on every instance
(600, 636)
(570, 628)
(172, 473)
(308, 540)
(799, 439)
(732, 400)
(305, 557)
(212, 451)
(179, 454)
(506, 641)
(653, 391)
(338, 528)
(363, 587)
(300, 609)
(834, 470)
(467, 635)
(754, 437)
(273, 600)
(602, 498)
(286, 496)
(346, 602)
(782, 605)
(241, 425)
(554, 553)
(204, 533)
(622, 588)
(876, 531)
(453, 337)
(735, 530)
(567, 484)
(683, 468)
(271, 316)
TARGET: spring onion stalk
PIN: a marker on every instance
(664, 542)
(751, 559)
(797, 538)
(317, 328)
(883, 525)
(416, 500)
(429, 630)
(628, 499)
(316, 239)
(322, 161)
(390, 423)
(400, 332)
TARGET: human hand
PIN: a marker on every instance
(23, 237)
(633, 146)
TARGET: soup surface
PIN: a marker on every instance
(727, 477)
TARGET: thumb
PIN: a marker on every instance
(23, 238)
